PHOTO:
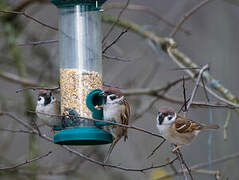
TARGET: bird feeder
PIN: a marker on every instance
(80, 73)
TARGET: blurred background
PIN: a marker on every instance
(210, 38)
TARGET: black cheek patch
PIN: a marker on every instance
(160, 119)
(112, 97)
(47, 100)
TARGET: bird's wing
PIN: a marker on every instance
(125, 113)
(58, 106)
(184, 125)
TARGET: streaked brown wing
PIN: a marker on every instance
(125, 113)
(58, 108)
(184, 125)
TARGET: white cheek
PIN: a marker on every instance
(108, 99)
(167, 121)
(41, 102)
(53, 99)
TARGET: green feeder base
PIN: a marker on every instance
(57, 128)
(82, 136)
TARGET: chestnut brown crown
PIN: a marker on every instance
(166, 109)
(115, 91)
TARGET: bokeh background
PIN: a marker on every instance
(213, 40)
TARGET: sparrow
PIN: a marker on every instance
(48, 104)
(177, 129)
(115, 109)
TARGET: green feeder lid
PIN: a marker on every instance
(82, 136)
(93, 4)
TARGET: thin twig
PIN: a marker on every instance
(228, 118)
(145, 9)
(118, 17)
(178, 57)
(195, 103)
(204, 164)
(20, 121)
(17, 131)
(114, 41)
(16, 79)
(196, 86)
(26, 162)
(116, 58)
(36, 126)
(35, 43)
(185, 101)
(187, 15)
(155, 149)
(37, 88)
(205, 90)
(109, 122)
(185, 164)
(181, 164)
(153, 91)
(118, 167)
(184, 68)
(184, 95)
(30, 17)
(106, 84)
(35, 132)
(182, 61)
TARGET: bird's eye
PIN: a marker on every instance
(170, 117)
(53, 97)
(112, 97)
(39, 98)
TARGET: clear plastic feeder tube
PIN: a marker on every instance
(80, 59)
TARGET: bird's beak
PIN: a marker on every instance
(102, 94)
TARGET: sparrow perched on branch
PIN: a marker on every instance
(177, 129)
(48, 108)
(115, 109)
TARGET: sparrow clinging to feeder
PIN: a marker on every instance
(177, 129)
(48, 108)
(115, 109)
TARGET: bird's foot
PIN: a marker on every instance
(100, 106)
(176, 148)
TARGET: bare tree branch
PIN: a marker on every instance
(153, 91)
(35, 43)
(177, 56)
(111, 123)
(222, 159)
(156, 148)
(196, 86)
(26, 162)
(37, 88)
(116, 58)
(187, 15)
(30, 17)
(114, 41)
(113, 25)
(16, 79)
(145, 9)
(183, 163)
(228, 118)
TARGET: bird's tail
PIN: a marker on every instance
(211, 126)
(111, 149)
